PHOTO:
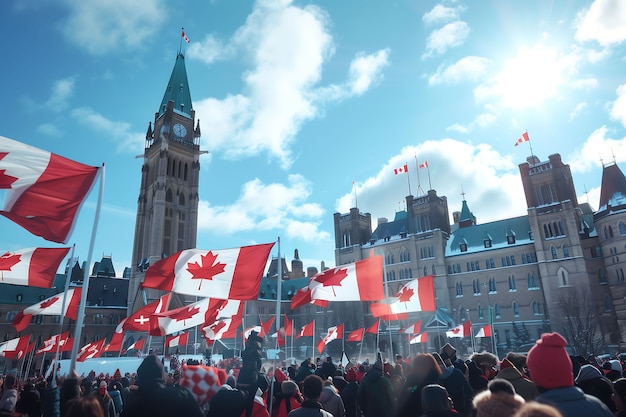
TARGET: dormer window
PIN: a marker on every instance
(487, 243)
(510, 239)
(463, 247)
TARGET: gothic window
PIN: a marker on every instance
(608, 303)
(532, 281)
(602, 276)
(622, 228)
(169, 196)
(459, 289)
(565, 251)
(563, 277)
(553, 250)
(496, 309)
(481, 313)
(450, 269)
(186, 169)
(523, 258)
(512, 284)
(181, 199)
(537, 308)
(404, 255)
(434, 270)
(402, 274)
(492, 286)
(425, 272)
(476, 285)
(515, 309)
(546, 232)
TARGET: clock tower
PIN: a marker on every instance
(167, 207)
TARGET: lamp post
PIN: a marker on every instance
(494, 347)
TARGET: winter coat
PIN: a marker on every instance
(51, 405)
(155, 399)
(524, 387)
(458, 388)
(107, 404)
(573, 402)
(410, 397)
(70, 389)
(284, 403)
(349, 397)
(116, 396)
(8, 401)
(376, 397)
(310, 408)
(332, 402)
(29, 402)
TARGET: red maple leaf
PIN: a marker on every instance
(7, 261)
(185, 314)
(332, 277)
(455, 330)
(405, 295)
(207, 270)
(48, 303)
(217, 327)
(5, 180)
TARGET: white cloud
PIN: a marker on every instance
(287, 47)
(597, 148)
(451, 35)
(49, 129)
(585, 83)
(604, 22)
(210, 49)
(120, 132)
(618, 110)
(491, 181)
(577, 110)
(441, 13)
(62, 90)
(482, 120)
(100, 26)
(266, 207)
(467, 68)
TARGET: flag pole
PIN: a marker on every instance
(83, 296)
(408, 180)
(278, 296)
(356, 202)
(362, 341)
(530, 143)
(313, 341)
(63, 304)
(430, 187)
(420, 191)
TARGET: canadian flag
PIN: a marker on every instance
(205, 311)
(523, 139)
(303, 297)
(139, 321)
(138, 345)
(462, 330)
(12, 348)
(247, 332)
(35, 267)
(223, 328)
(424, 164)
(402, 170)
(179, 340)
(44, 190)
(307, 330)
(413, 328)
(335, 332)
(91, 350)
(356, 335)
(484, 331)
(358, 281)
(185, 37)
(373, 328)
(116, 343)
(420, 338)
(416, 295)
(52, 306)
(50, 345)
(229, 274)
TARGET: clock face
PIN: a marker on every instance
(179, 130)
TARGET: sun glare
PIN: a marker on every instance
(526, 80)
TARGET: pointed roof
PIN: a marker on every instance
(613, 190)
(467, 218)
(178, 89)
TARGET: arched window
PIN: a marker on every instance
(481, 313)
(537, 308)
(496, 309)
(425, 272)
(553, 250)
(546, 232)
(515, 309)
(602, 276)
(565, 251)
(532, 281)
(492, 286)
(181, 199)
(512, 284)
(563, 277)
(459, 289)
(622, 228)
(169, 196)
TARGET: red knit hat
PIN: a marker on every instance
(351, 375)
(549, 363)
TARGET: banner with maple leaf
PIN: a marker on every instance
(358, 281)
(35, 267)
(51, 306)
(420, 338)
(303, 297)
(417, 295)
(44, 190)
(223, 328)
(228, 274)
(462, 330)
(12, 348)
(335, 332)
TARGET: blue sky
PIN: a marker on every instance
(299, 100)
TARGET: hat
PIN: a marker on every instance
(549, 363)
(616, 365)
(351, 375)
(288, 387)
(150, 368)
(447, 352)
(588, 372)
(117, 375)
(498, 404)
(103, 384)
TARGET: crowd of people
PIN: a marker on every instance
(546, 382)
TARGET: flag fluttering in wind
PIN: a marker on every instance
(373, 328)
(356, 335)
(178, 340)
(462, 330)
(138, 345)
(307, 330)
(523, 139)
(335, 332)
(484, 331)
(116, 343)
(91, 350)
(51, 306)
(12, 348)
(303, 297)
(139, 321)
(420, 338)
(416, 295)
(205, 311)
(44, 190)
(35, 267)
(288, 326)
(267, 325)
(358, 281)
(402, 170)
(413, 328)
(185, 36)
(63, 340)
(424, 164)
(228, 274)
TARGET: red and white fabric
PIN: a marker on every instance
(50, 345)
(44, 190)
(202, 312)
(484, 331)
(373, 328)
(307, 330)
(420, 338)
(51, 306)
(356, 335)
(178, 340)
(138, 345)
(424, 164)
(413, 328)
(228, 274)
(288, 326)
(35, 267)
(462, 330)
(185, 37)
(417, 295)
(224, 325)
(91, 350)
(12, 348)
(116, 343)
(402, 170)
(357, 281)
(303, 297)
(139, 321)
(202, 381)
(523, 139)
(335, 332)
(246, 333)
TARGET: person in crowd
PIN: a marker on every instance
(307, 367)
(619, 386)
(592, 382)
(339, 380)
(424, 371)
(436, 402)
(400, 367)
(535, 409)
(154, 399)
(457, 386)
(312, 387)
(29, 402)
(551, 370)
(349, 394)
(331, 400)
(105, 399)
(287, 400)
(523, 386)
(376, 396)
(483, 372)
(328, 368)
(87, 406)
(612, 369)
(9, 396)
(51, 403)
(498, 400)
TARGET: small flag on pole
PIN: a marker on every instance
(185, 37)
(402, 170)
(523, 139)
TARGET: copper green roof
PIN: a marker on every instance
(514, 231)
(178, 89)
(466, 214)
